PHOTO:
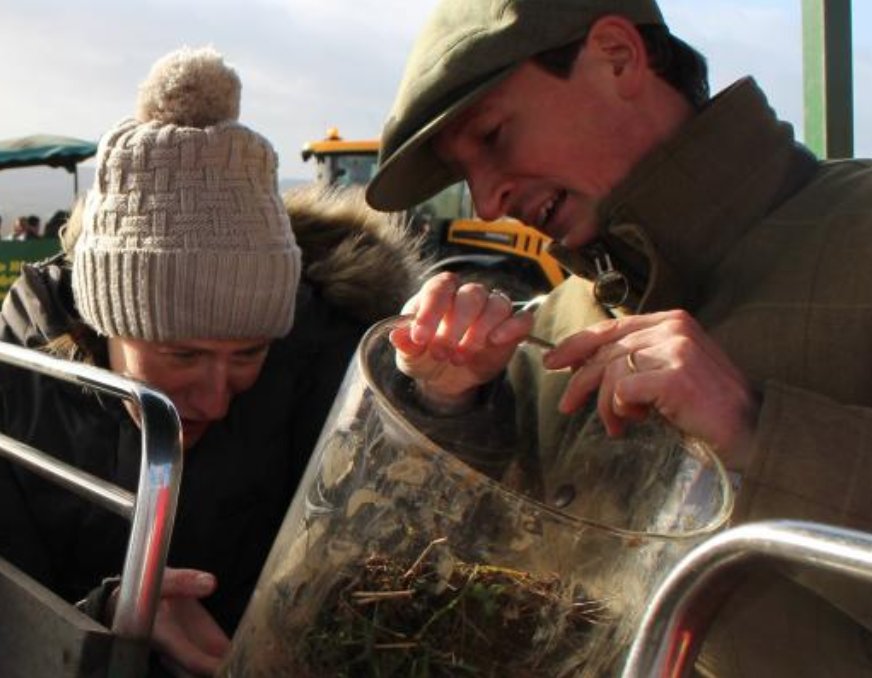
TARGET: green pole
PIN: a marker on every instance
(828, 77)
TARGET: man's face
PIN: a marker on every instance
(546, 150)
(201, 376)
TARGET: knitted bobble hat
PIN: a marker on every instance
(184, 234)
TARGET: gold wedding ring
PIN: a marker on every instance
(631, 363)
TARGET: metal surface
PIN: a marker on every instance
(828, 77)
(151, 511)
(48, 637)
(660, 647)
(107, 495)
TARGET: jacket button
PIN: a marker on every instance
(564, 495)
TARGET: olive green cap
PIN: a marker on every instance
(466, 47)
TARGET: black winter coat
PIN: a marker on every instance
(238, 480)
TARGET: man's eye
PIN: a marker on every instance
(491, 136)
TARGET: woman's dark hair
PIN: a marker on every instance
(671, 58)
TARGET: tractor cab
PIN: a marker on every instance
(339, 162)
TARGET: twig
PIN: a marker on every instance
(441, 612)
(423, 555)
(368, 597)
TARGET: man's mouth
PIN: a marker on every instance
(547, 211)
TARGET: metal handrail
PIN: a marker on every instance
(659, 648)
(151, 510)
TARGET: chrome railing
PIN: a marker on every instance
(661, 647)
(151, 510)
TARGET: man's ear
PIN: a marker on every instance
(615, 43)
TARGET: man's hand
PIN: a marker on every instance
(459, 337)
(665, 362)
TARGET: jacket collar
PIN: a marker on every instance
(684, 206)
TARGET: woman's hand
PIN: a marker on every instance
(185, 634)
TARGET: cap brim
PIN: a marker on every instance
(414, 172)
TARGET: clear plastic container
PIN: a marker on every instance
(398, 558)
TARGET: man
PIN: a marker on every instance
(722, 278)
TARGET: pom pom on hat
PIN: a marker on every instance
(190, 88)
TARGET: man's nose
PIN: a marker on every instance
(210, 398)
(490, 190)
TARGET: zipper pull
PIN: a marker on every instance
(610, 287)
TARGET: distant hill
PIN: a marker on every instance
(285, 184)
(42, 191)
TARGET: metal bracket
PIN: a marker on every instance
(151, 510)
(661, 647)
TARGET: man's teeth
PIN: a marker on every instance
(545, 212)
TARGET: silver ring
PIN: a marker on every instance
(497, 292)
(631, 362)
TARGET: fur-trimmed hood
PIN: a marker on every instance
(360, 260)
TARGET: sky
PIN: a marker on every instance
(72, 68)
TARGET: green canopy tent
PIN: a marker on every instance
(32, 151)
(49, 150)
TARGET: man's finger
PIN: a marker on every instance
(579, 388)
(512, 330)
(434, 301)
(615, 369)
(581, 346)
(469, 302)
(401, 339)
(496, 311)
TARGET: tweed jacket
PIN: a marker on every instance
(767, 248)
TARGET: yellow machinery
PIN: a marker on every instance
(342, 163)
(511, 237)
(508, 250)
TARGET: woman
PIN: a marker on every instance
(181, 269)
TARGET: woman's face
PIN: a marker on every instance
(200, 376)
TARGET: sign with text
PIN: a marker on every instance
(14, 253)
